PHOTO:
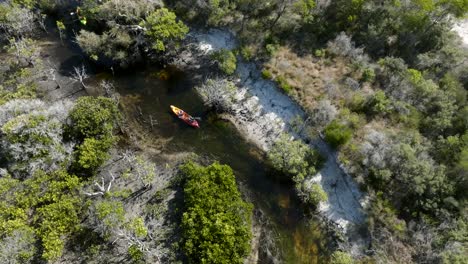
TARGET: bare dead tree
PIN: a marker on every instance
(80, 75)
(109, 90)
(102, 189)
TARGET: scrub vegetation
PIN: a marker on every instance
(383, 82)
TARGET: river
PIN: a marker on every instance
(300, 239)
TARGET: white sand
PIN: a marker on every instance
(461, 28)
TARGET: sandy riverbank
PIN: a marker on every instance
(261, 112)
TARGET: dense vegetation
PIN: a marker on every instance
(383, 81)
(216, 222)
(386, 84)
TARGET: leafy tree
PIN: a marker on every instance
(116, 44)
(163, 28)
(215, 222)
(93, 117)
(92, 153)
(226, 61)
(293, 158)
(337, 134)
(53, 205)
(379, 103)
(316, 195)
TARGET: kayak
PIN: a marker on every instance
(181, 114)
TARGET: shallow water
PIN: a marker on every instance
(299, 239)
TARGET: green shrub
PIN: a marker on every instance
(283, 84)
(272, 49)
(92, 153)
(316, 194)
(135, 253)
(379, 103)
(368, 75)
(320, 53)
(163, 27)
(337, 134)
(247, 52)
(339, 257)
(216, 222)
(294, 158)
(266, 74)
(227, 61)
(93, 117)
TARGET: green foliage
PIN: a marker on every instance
(283, 84)
(271, 48)
(320, 53)
(226, 60)
(379, 104)
(60, 25)
(92, 153)
(25, 3)
(93, 117)
(368, 75)
(110, 213)
(383, 215)
(316, 194)
(266, 74)
(247, 52)
(216, 222)
(340, 257)
(51, 215)
(92, 122)
(21, 91)
(162, 27)
(337, 134)
(293, 158)
(305, 8)
(135, 253)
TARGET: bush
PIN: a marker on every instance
(283, 84)
(93, 117)
(368, 75)
(92, 153)
(293, 158)
(339, 257)
(135, 253)
(337, 134)
(216, 222)
(266, 74)
(379, 103)
(226, 61)
(316, 194)
(320, 53)
(247, 52)
(163, 28)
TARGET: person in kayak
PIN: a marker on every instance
(191, 119)
(180, 114)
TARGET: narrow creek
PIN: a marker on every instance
(299, 239)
